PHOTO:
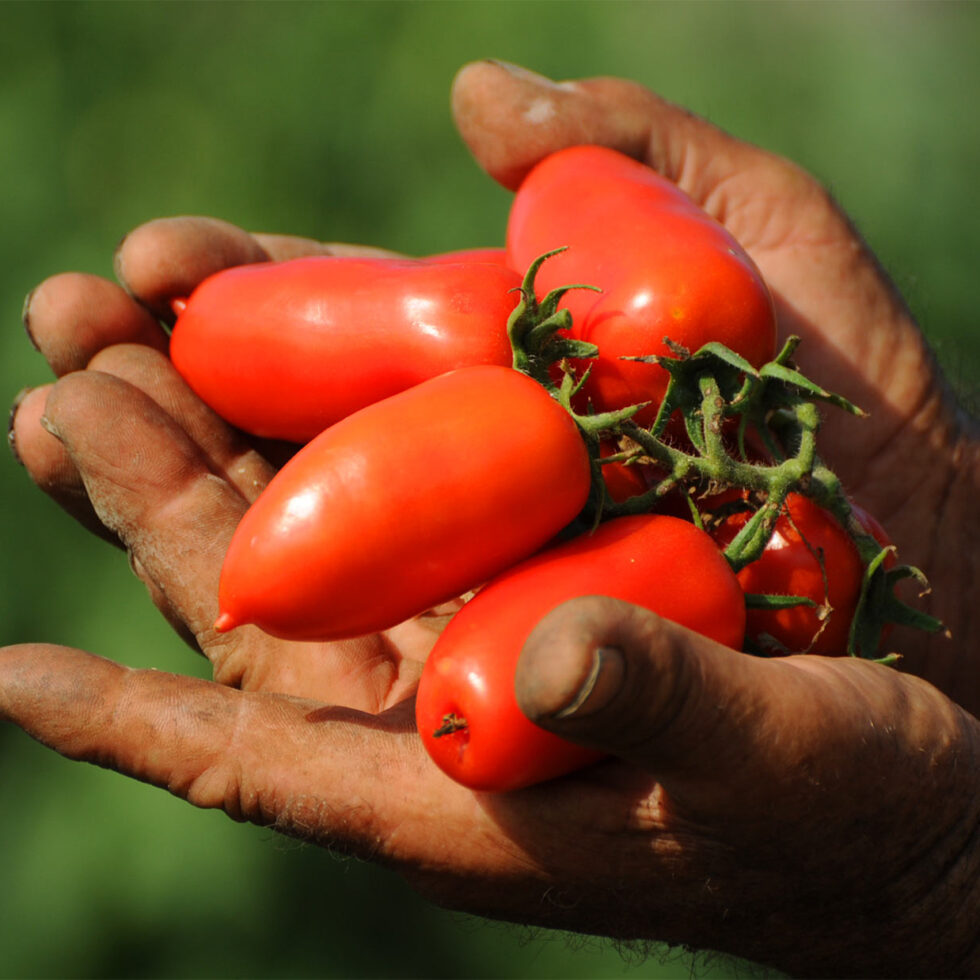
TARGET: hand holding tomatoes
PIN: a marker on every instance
(466, 709)
(872, 769)
(859, 338)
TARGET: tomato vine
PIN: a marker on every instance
(722, 424)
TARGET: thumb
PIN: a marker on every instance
(620, 679)
(510, 118)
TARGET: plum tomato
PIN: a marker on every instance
(285, 349)
(405, 504)
(467, 693)
(665, 268)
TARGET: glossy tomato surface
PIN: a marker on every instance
(665, 268)
(286, 349)
(658, 562)
(809, 555)
(405, 504)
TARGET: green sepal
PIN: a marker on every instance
(533, 328)
(753, 536)
(719, 352)
(878, 606)
(773, 371)
(766, 600)
(567, 347)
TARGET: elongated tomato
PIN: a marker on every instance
(665, 268)
(466, 692)
(405, 504)
(286, 349)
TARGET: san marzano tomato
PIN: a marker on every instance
(661, 563)
(666, 269)
(286, 349)
(405, 504)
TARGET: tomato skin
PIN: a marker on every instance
(790, 566)
(285, 349)
(658, 562)
(665, 268)
(405, 504)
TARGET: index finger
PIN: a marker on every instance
(168, 257)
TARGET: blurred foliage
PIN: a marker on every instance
(331, 120)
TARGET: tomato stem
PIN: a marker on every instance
(450, 723)
(746, 428)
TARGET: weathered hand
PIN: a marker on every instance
(819, 815)
(915, 461)
(129, 450)
(816, 814)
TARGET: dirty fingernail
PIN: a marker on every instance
(518, 71)
(49, 426)
(604, 680)
(11, 419)
(26, 318)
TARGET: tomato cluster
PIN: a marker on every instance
(433, 467)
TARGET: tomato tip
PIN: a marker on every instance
(224, 622)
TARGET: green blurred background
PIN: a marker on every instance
(331, 120)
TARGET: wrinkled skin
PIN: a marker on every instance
(817, 814)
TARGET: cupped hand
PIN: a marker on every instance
(914, 462)
(123, 444)
(747, 793)
(819, 815)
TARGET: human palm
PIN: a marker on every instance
(175, 513)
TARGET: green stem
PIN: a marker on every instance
(717, 395)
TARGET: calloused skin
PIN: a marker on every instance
(817, 814)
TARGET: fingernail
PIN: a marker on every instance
(49, 427)
(518, 71)
(117, 266)
(26, 318)
(11, 418)
(600, 687)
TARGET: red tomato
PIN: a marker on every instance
(665, 268)
(405, 504)
(286, 349)
(662, 563)
(812, 556)
(622, 481)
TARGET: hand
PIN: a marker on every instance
(815, 814)
(915, 461)
(681, 841)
